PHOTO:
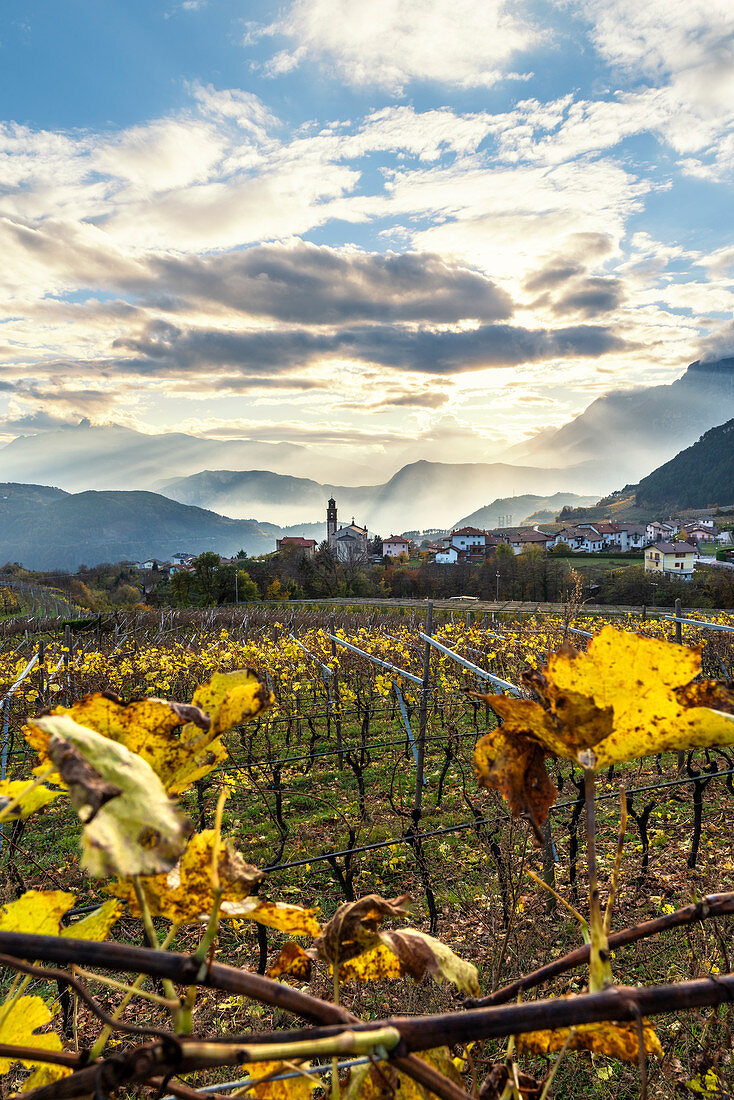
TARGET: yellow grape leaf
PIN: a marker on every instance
(352, 940)
(626, 697)
(421, 954)
(19, 1021)
(376, 964)
(45, 1074)
(293, 961)
(384, 1082)
(294, 1088)
(36, 911)
(35, 799)
(138, 832)
(184, 895)
(275, 914)
(613, 1040)
(176, 740)
(96, 925)
(231, 698)
(354, 927)
(511, 760)
(707, 1084)
(413, 953)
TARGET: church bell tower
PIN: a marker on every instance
(331, 522)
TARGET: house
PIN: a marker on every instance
(699, 532)
(672, 559)
(187, 568)
(591, 541)
(296, 542)
(182, 559)
(614, 536)
(450, 556)
(582, 540)
(395, 546)
(660, 532)
(522, 539)
(571, 536)
(466, 537)
(636, 535)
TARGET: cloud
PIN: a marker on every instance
(39, 421)
(553, 274)
(591, 297)
(690, 64)
(163, 349)
(318, 285)
(719, 344)
(393, 42)
(426, 399)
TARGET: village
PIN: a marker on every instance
(669, 547)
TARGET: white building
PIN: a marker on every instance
(582, 540)
(181, 559)
(449, 556)
(659, 531)
(636, 535)
(467, 537)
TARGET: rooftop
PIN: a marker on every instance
(674, 548)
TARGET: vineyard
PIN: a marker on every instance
(410, 853)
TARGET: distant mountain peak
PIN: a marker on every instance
(626, 433)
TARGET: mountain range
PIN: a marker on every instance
(114, 457)
(418, 495)
(46, 528)
(623, 435)
(246, 493)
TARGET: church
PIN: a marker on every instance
(349, 543)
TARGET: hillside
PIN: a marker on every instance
(419, 495)
(624, 435)
(14, 497)
(280, 497)
(698, 477)
(114, 457)
(522, 509)
(67, 530)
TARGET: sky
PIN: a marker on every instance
(396, 230)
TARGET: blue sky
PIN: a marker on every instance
(419, 228)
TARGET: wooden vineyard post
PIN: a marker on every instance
(337, 704)
(422, 720)
(41, 673)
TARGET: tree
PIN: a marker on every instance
(183, 588)
(276, 591)
(246, 588)
(206, 567)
